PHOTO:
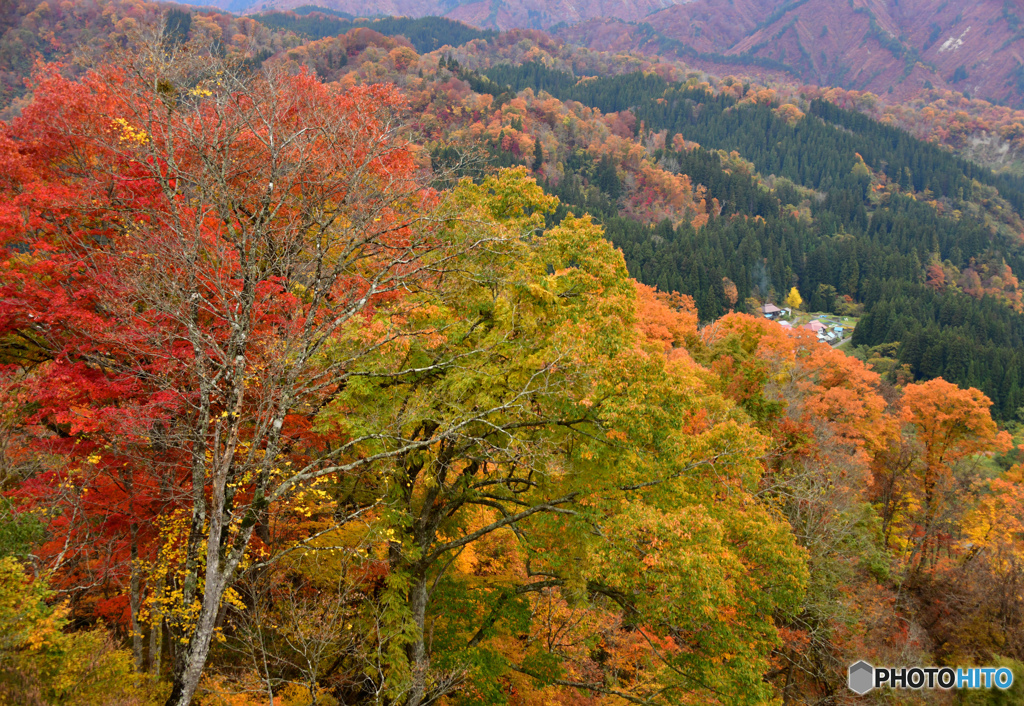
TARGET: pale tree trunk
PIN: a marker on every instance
(188, 668)
(190, 663)
(221, 564)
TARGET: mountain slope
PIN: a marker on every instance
(488, 14)
(883, 46)
(898, 46)
(859, 216)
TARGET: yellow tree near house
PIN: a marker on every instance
(793, 299)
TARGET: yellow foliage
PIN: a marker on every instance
(217, 690)
(299, 695)
(793, 299)
(40, 663)
(129, 133)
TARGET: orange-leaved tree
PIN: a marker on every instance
(947, 425)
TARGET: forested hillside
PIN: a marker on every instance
(426, 34)
(489, 14)
(888, 47)
(337, 371)
(84, 31)
(883, 211)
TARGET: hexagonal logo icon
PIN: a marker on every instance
(861, 677)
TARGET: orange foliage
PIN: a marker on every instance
(667, 319)
(951, 422)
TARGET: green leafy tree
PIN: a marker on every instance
(532, 409)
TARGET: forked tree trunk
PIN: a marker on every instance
(188, 666)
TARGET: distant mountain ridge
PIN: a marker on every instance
(486, 14)
(899, 46)
(974, 47)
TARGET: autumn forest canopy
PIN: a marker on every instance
(341, 364)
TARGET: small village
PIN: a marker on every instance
(830, 328)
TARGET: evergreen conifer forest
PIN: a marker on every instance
(395, 361)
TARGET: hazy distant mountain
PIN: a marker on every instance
(899, 46)
(491, 14)
(885, 46)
